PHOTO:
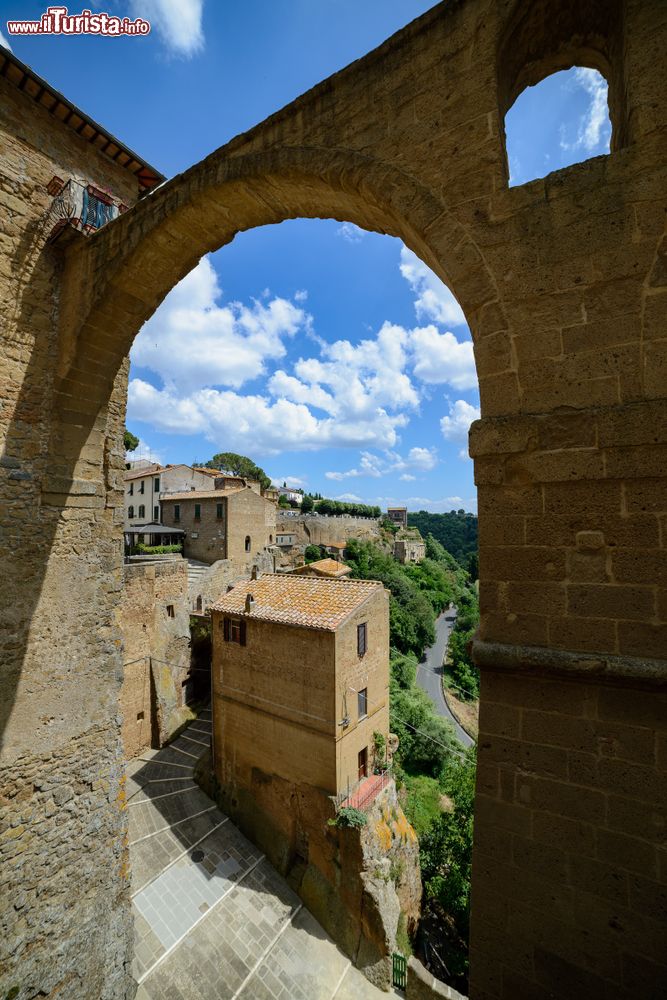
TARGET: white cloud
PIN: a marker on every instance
(456, 424)
(3, 41)
(254, 423)
(350, 232)
(433, 300)
(422, 458)
(292, 481)
(407, 478)
(594, 128)
(441, 358)
(191, 341)
(360, 381)
(350, 497)
(177, 22)
(144, 450)
(301, 295)
(375, 466)
(435, 505)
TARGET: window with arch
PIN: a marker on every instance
(130, 511)
(247, 543)
(556, 123)
(142, 511)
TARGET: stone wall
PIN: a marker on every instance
(154, 621)
(564, 285)
(315, 529)
(423, 986)
(65, 921)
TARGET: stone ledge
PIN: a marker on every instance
(637, 671)
(422, 985)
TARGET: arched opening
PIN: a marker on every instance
(562, 120)
(363, 398)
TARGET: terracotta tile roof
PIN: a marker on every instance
(146, 470)
(308, 601)
(201, 494)
(327, 567)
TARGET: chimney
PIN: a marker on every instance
(253, 575)
(249, 603)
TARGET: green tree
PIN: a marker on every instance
(130, 440)
(283, 502)
(307, 504)
(239, 465)
(312, 553)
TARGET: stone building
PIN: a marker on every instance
(154, 621)
(300, 680)
(564, 286)
(232, 523)
(399, 515)
(331, 568)
(409, 546)
(145, 486)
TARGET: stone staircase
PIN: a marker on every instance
(196, 570)
(212, 918)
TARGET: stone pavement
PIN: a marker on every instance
(213, 920)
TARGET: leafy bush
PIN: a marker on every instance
(312, 553)
(422, 802)
(403, 667)
(154, 550)
(463, 673)
(333, 507)
(348, 816)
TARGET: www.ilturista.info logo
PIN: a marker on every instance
(58, 21)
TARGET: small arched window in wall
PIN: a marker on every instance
(562, 120)
(247, 543)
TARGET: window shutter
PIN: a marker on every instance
(225, 628)
(242, 637)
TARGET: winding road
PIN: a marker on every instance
(430, 671)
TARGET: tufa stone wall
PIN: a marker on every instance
(65, 920)
(156, 645)
(316, 529)
(564, 285)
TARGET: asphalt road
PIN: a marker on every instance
(430, 671)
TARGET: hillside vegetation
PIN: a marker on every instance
(456, 531)
(435, 775)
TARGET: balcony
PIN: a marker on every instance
(83, 207)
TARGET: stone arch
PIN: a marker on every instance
(163, 238)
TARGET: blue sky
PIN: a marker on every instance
(331, 356)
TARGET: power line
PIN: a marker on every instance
(433, 740)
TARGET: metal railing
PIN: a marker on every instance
(370, 787)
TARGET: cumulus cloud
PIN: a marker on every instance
(3, 41)
(177, 22)
(456, 424)
(433, 504)
(594, 128)
(191, 341)
(350, 232)
(292, 481)
(433, 300)
(350, 497)
(407, 478)
(144, 450)
(375, 466)
(253, 423)
(440, 358)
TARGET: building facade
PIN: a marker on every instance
(146, 484)
(409, 546)
(399, 515)
(222, 523)
(300, 680)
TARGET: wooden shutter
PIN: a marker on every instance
(225, 629)
(242, 634)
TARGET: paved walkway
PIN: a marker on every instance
(212, 918)
(430, 671)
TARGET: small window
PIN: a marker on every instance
(361, 639)
(156, 485)
(156, 514)
(218, 511)
(199, 605)
(362, 703)
(170, 611)
(247, 543)
(140, 716)
(130, 511)
(131, 489)
(142, 486)
(234, 630)
(197, 512)
(270, 539)
(177, 512)
(142, 510)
